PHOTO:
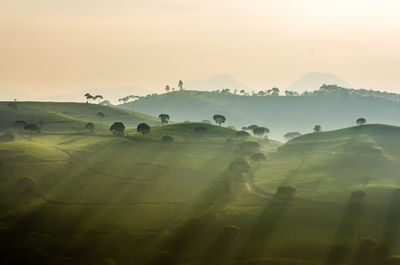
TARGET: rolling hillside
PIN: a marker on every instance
(280, 114)
(69, 117)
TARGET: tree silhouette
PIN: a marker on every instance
(101, 115)
(180, 85)
(317, 128)
(164, 118)
(257, 157)
(291, 135)
(12, 105)
(260, 131)
(32, 128)
(242, 134)
(143, 128)
(118, 128)
(361, 121)
(20, 125)
(167, 88)
(219, 119)
(275, 91)
(88, 97)
(90, 127)
(99, 97)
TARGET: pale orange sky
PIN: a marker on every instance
(62, 46)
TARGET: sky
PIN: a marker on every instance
(56, 47)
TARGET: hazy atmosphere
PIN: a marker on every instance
(180, 132)
(58, 47)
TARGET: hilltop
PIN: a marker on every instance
(331, 107)
(331, 164)
(69, 117)
(314, 80)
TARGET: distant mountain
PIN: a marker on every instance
(9, 94)
(111, 94)
(314, 80)
(214, 83)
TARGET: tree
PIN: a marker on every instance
(260, 131)
(12, 105)
(242, 92)
(242, 134)
(101, 115)
(90, 127)
(275, 91)
(164, 118)
(252, 127)
(105, 103)
(200, 130)
(219, 119)
(291, 135)
(180, 85)
(32, 128)
(167, 88)
(239, 165)
(99, 97)
(285, 192)
(257, 157)
(118, 128)
(167, 139)
(317, 128)
(20, 125)
(361, 121)
(143, 128)
(88, 97)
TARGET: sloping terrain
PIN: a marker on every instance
(68, 117)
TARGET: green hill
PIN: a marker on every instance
(57, 117)
(281, 114)
(68, 198)
(329, 165)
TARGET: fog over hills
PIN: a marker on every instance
(314, 80)
(111, 94)
(214, 83)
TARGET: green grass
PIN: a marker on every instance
(101, 199)
(57, 117)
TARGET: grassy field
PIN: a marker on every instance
(101, 199)
(57, 117)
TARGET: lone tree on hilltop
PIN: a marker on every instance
(143, 128)
(167, 88)
(90, 127)
(118, 128)
(88, 97)
(180, 85)
(219, 119)
(260, 131)
(32, 128)
(99, 97)
(101, 115)
(12, 105)
(317, 128)
(361, 121)
(164, 118)
(252, 127)
(291, 135)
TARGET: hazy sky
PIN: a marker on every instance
(60, 46)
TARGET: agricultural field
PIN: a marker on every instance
(205, 197)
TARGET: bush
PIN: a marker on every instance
(167, 139)
(26, 185)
